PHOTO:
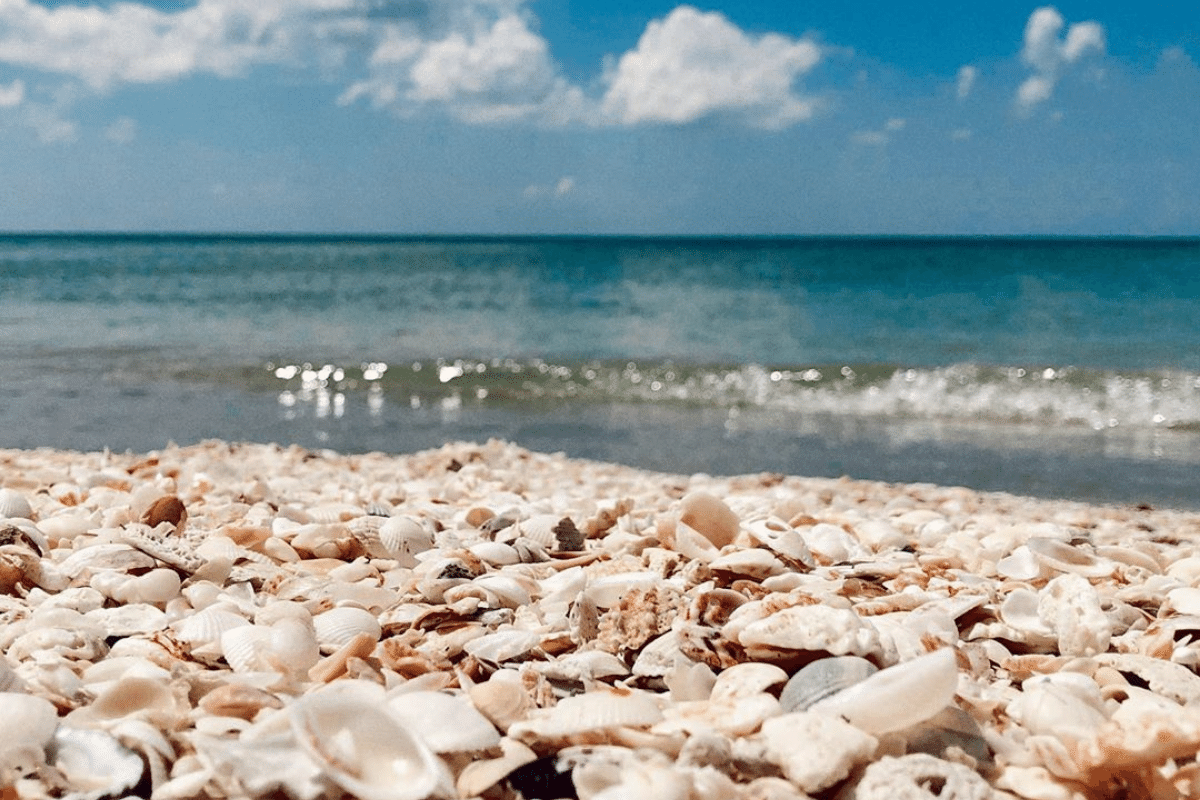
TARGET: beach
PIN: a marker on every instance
(480, 619)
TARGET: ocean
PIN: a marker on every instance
(1046, 366)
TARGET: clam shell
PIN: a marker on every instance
(1065, 557)
(403, 538)
(348, 732)
(13, 505)
(502, 646)
(897, 697)
(710, 517)
(207, 626)
(337, 626)
(594, 712)
(750, 678)
(502, 698)
(446, 723)
(824, 678)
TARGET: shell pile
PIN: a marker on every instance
(249, 621)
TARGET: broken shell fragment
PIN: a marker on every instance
(823, 678)
(710, 517)
(897, 697)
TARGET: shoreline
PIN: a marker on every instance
(623, 625)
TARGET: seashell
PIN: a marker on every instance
(158, 586)
(508, 591)
(337, 626)
(348, 732)
(502, 698)
(1021, 565)
(950, 728)
(326, 540)
(754, 563)
(118, 557)
(710, 517)
(497, 554)
(582, 666)
(13, 505)
(781, 538)
(1064, 557)
(170, 510)
(914, 775)
(690, 681)
(151, 699)
(1165, 678)
(36, 719)
(24, 532)
(129, 619)
(238, 700)
(823, 678)
(608, 590)
(334, 512)
(502, 646)
(1062, 705)
(831, 544)
(446, 723)
(750, 678)
(897, 697)
(588, 714)
(68, 525)
(403, 538)
(481, 775)
(206, 627)
(96, 760)
(838, 631)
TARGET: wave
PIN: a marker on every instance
(967, 393)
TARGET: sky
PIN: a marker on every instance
(588, 117)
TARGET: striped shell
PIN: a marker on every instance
(337, 626)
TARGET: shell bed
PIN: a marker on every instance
(246, 621)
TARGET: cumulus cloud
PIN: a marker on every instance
(692, 64)
(1048, 55)
(135, 43)
(12, 95)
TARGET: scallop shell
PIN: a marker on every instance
(337, 626)
(403, 538)
(446, 723)
(13, 505)
(206, 627)
(348, 732)
(824, 678)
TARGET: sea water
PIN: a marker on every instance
(1058, 367)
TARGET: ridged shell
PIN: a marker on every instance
(287, 647)
(593, 711)
(446, 723)
(404, 537)
(337, 626)
(363, 748)
(13, 505)
(207, 626)
(501, 646)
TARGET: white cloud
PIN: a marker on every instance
(692, 64)
(561, 188)
(1048, 56)
(134, 43)
(12, 95)
(122, 131)
(967, 76)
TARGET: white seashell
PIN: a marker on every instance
(1064, 704)
(242, 646)
(481, 775)
(1021, 565)
(591, 712)
(710, 517)
(347, 731)
(119, 557)
(1064, 557)
(749, 678)
(502, 698)
(207, 626)
(897, 697)
(582, 666)
(446, 723)
(752, 563)
(96, 760)
(838, 631)
(508, 591)
(498, 554)
(68, 525)
(129, 619)
(13, 505)
(337, 626)
(831, 544)
(334, 512)
(504, 645)
(690, 681)
(781, 538)
(36, 719)
(823, 678)
(148, 698)
(405, 537)
(158, 586)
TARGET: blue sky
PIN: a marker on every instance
(532, 116)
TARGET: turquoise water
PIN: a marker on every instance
(1065, 367)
